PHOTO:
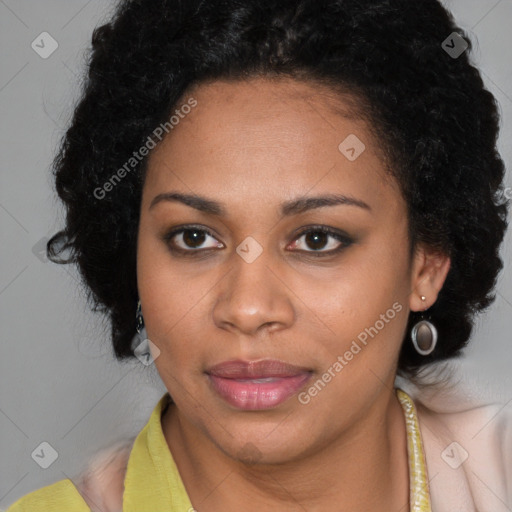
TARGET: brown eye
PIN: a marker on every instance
(191, 239)
(317, 238)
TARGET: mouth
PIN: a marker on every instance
(257, 385)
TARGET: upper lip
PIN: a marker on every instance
(266, 368)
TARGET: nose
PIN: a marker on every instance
(254, 298)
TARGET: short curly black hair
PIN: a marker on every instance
(435, 119)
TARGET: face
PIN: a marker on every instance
(279, 317)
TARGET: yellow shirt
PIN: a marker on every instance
(153, 483)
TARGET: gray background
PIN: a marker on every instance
(59, 381)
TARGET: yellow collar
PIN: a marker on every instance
(153, 482)
(419, 494)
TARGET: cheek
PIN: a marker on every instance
(365, 300)
(161, 290)
(369, 279)
(173, 301)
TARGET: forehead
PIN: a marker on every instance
(273, 137)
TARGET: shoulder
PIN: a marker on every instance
(99, 488)
(62, 495)
(468, 449)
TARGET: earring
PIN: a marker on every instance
(139, 320)
(140, 344)
(424, 335)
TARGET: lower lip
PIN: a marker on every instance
(251, 395)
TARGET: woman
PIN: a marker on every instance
(286, 206)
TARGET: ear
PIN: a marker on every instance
(429, 270)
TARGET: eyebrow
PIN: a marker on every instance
(288, 208)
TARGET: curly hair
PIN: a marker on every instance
(437, 124)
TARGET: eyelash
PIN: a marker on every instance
(344, 240)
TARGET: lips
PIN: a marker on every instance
(257, 385)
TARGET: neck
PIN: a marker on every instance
(364, 469)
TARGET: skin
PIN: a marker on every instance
(251, 146)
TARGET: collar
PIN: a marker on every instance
(419, 494)
(153, 481)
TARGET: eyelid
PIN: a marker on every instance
(343, 238)
(168, 236)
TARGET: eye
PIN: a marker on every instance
(317, 237)
(190, 239)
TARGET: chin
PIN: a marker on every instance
(258, 447)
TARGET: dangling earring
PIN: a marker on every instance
(139, 325)
(139, 319)
(145, 351)
(424, 336)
